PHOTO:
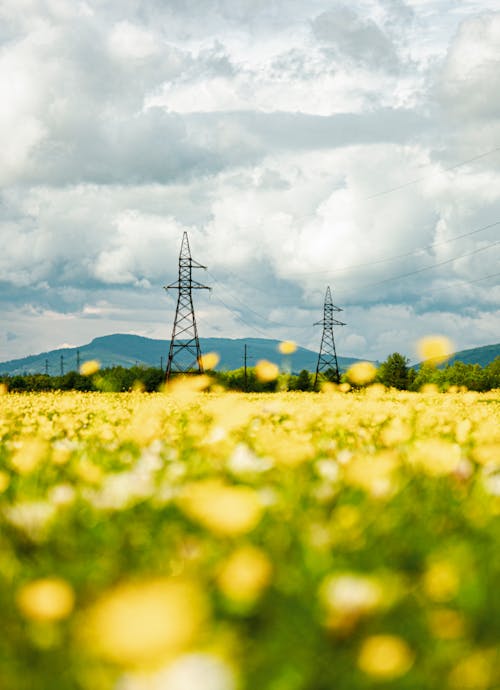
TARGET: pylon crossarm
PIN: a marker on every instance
(195, 264)
(329, 322)
(199, 286)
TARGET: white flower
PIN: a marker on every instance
(62, 494)
(32, 517)
(192, 671)
(328, 470)
(351, 593)
(244, 461)
(187, 672)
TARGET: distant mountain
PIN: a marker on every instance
(129, 350)
(477, 355)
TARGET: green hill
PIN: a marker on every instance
(477, 355)
(129, 350)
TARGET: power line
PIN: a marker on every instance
(354, 266)
(400, 256)
(381, 282)
(240, 318)
(428, 268)
(268, 321)
(426, 177)
(465, 282)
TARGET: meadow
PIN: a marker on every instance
(223, 541)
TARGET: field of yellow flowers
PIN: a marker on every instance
(193, 540)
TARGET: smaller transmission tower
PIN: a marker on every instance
(327, 358)
(184, 354)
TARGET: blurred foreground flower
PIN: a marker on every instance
(475, 671)
(435, 349)
(29, 455)
(287, 347)
(385, 657)
(146, 623)
(351, 594)
(90, 367)
(185, 388)
(375, 473)
(441, 581)
(435, 457)
(266, 371)
(186, 672)
(361, 373)
(4, 481)
(244, 574)
(49, 599)
(209, 361)
(222, 508)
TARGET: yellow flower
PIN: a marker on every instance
(266, 371)
(145, 623)
(361, 373)
(397, 431)
(221, 508)
(185, 389)
(385, 657)
(474, 671)
(435, 349)
(373, 473)
(209, 361)
(4, 481)
(446, 624)
(287, 347)
(28, 456)
(435, 456)
(48, 599)
(90, 367)
(244, 574)
(441, 581)
(429, 389)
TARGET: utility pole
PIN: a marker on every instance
(327, 358)
(46, 367)
(62, 365)
(184, 354)
(161, 363)
(245, 367)
(78, 360)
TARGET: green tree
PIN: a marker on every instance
(394, 372)
(303, 381)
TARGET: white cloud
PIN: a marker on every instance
(300, 143)
(128, 40)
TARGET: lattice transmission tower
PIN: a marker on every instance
(327, 358)
(185, 354)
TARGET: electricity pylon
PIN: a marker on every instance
(184, 354)
(327, 358)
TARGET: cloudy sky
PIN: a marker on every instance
(301, 143)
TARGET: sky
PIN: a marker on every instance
(300, 143)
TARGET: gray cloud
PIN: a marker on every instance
(274, 133)
(359, 39)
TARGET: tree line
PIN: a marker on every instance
(395, 372)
